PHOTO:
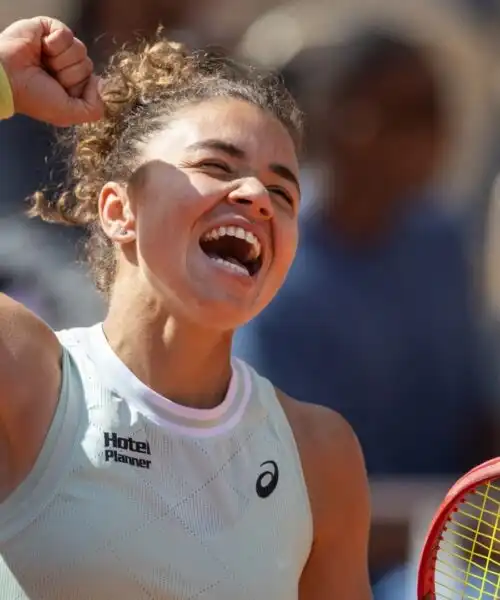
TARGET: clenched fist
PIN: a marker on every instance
(50, 73)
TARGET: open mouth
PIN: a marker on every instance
(235, 248)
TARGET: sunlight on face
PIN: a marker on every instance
(216, 212)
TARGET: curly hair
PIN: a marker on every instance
(141, 87)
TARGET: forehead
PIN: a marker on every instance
(258, 134)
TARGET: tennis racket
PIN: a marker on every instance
(461, 556)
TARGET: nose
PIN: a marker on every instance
(252, 194)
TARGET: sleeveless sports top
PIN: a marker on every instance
(135, 497)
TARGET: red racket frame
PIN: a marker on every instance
(480, 475)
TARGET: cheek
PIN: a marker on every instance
(286, 242)
(166, 215)
(158, 234)
(161, 236)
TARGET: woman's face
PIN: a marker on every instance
(213, 215)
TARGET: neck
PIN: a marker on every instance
(183, 362)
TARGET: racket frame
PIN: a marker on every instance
(476, 477)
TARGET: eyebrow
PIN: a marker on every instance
(235, 152)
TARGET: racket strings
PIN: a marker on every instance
(468, 557)
(461, 539)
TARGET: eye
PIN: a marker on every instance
(217, 165)
(283, 193)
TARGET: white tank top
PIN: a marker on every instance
(134, 497)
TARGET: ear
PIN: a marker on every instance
(115, 213)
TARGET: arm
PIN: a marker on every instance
(29, 385)
(339, 494)
(45, 74)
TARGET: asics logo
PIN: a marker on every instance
(268, 480)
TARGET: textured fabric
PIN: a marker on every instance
(136, 499)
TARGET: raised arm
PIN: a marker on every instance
(45, 74)
(29, 383)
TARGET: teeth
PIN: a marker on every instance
(238, 268)
(237, 232)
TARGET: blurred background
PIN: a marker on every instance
(391, 313)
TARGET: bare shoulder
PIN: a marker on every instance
(27, 344)
(321, 432)
(30, 375)
(332, 461)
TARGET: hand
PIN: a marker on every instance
(50, 73)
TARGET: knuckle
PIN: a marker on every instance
(61, 43)
(80, 48)
(76, 55)
(75, 75)
(88, 66)
(66, 37)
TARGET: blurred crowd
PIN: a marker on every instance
(391, 312)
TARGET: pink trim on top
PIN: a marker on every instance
(159, 409)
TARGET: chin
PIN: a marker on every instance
(217, 314)
(221, 302)
(221, 316)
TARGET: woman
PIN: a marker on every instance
(138, 461)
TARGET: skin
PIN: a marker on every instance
(184, 306)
